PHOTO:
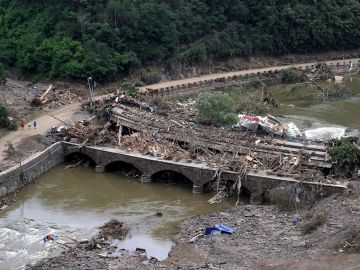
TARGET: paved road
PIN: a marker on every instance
(239, 72)
(65, 113)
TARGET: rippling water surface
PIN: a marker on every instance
(75, 202)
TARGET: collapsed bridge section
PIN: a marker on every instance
(223, 139)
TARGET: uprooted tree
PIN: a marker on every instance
(316, 78)
(216, 109)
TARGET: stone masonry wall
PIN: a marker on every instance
(199, 174)
(339, 67)
(31, 168)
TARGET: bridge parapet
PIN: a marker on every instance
(180, 87)
(199, 174)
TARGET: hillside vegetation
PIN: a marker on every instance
(77, 38)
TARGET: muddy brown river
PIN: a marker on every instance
(304, 106)
(75, 202)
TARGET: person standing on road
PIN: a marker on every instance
(34, 124)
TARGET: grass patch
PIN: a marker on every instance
(316, 221)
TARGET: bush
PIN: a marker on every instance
(316, 221)
(252, 105)
(216, 109)
(3, 112)
(292, 75)
(4, 120)
(346, 155)
(130, 89)
(254, 84)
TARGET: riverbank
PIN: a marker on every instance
(264, 238)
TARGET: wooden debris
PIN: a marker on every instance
(134, 126)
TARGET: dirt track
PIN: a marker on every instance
(239, 72)
(43, 124)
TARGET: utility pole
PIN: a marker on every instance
(92, 85)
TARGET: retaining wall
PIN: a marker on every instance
(206, 84)
(31, 168)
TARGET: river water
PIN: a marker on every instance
(303, 106)
(75, 202)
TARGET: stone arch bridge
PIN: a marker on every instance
(199, 174)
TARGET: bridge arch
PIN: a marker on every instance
(76, 157)
(171, 177)
(123, 167)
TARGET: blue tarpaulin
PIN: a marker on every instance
(219, 228)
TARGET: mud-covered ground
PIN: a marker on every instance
(17, 96)
(264, 238)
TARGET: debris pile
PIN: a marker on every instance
(321, 72)
(270, 125)
(56, 96)
(114, 229)
(351, 241)
(61, 97)
(81, 131)
(134, 126)
(5, 202)
(151, 145)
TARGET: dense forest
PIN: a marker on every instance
(76, 38)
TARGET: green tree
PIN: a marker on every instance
(157, 31)
(4, 119)
(216, 109)
(101, 60)
(106, 37)
(130, 89)
(346, 155)
(3, 75)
